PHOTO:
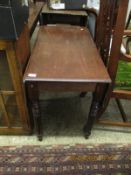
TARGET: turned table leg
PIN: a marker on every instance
(96, 106)
(33, 97)
(37, 118)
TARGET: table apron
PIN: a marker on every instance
(64, 86)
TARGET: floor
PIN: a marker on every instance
(64, 115)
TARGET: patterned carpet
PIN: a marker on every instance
(65, 159)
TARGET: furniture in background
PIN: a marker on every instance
(39, 1)
(13, 14)
(123, 80)
(128, 34)
(110, 26)
(13, 111)
(115, 58)
(34, 15)
(72, 17)
(64, 59)
(14, 54)
(87, 17)
(100, 24)
(128, 20)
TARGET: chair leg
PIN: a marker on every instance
(123, 114)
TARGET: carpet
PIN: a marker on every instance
(65, 160)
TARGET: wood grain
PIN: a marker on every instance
(65, 53)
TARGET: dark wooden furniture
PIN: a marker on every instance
(73, 17)
(39, 1)
(113, 60)
(67, 5)
(127, 32)
(111, 24)
(102, 30)
(15, 14)
(64, 58)
(129, 20)
(14, 54)
(13, 111)
(34, 15)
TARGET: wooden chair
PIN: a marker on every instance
(105, 18)
(128, 21)
(113, 61)
(114, 27)
(127, 33)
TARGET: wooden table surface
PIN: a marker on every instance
(65, 53)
